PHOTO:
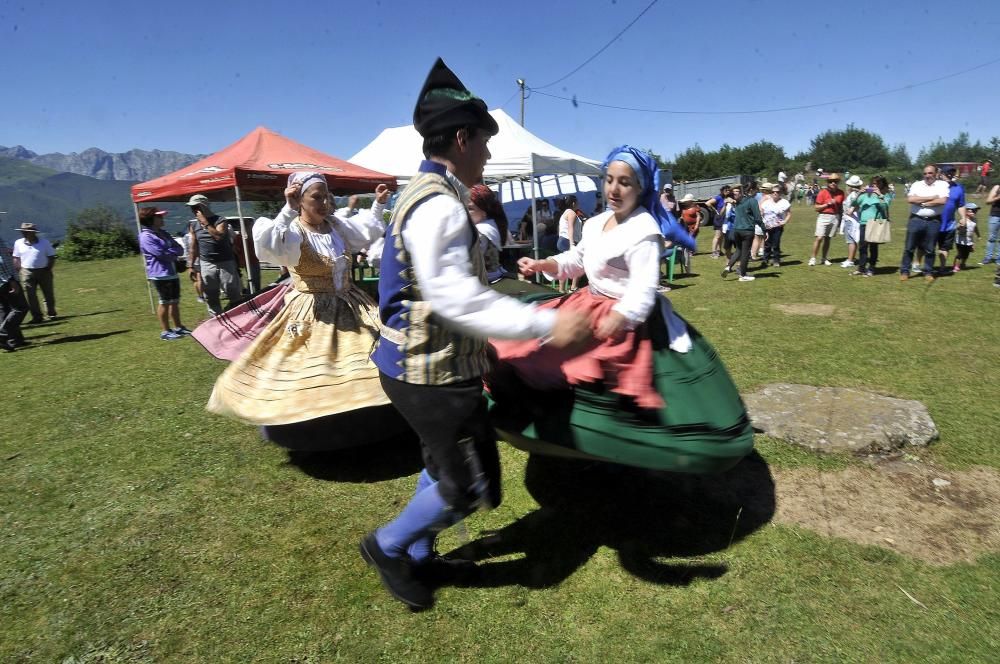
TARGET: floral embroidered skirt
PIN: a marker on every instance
(311, 361)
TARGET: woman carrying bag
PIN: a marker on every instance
(872, 209)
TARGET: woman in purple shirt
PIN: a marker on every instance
(161, 253)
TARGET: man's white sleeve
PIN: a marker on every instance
(438, 236)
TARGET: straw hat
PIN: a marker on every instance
(27, 227)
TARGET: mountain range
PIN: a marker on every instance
(49, 190)
(50, 199)
(134, 165)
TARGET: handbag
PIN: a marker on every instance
(180, 265)
(877, 231)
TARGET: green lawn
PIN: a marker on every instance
(134, 526)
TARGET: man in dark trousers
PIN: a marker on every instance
(747, 217)
(13, 306)
(437, 312)
(212, 246)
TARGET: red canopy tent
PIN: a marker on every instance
(256, 168)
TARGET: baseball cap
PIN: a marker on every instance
(197, 199)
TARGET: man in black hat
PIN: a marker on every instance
(437, 312)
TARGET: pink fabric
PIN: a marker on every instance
(625, 365)
(227, 335)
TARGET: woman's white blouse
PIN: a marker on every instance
(623, 262)
(277, 241)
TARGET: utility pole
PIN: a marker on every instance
(520, 82)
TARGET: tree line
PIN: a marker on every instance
(851, 149)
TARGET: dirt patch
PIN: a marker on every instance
(939, 516)
(805, 309)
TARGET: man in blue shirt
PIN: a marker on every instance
(953, 209)
(718, 203)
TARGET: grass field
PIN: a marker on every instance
(136, 527)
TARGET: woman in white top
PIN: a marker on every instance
(570, 234)
(312, 359)
(648, 391)
(487, 214)
(619, 251)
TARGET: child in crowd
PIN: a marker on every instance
(965, 234)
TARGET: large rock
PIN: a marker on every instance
(839, 419)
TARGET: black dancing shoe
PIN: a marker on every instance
(437, 570)
(397, 575)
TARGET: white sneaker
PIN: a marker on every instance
(826, 262)
(812, 261)
(747, 277)
(847, 264)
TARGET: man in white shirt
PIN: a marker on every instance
(927, 198)
(437, 313)
(34, 257)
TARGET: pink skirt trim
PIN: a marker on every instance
(624, 364)
(230, 333)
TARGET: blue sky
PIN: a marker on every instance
(195, 76)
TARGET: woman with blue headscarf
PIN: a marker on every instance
(644, 360)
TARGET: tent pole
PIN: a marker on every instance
(243, 236)
(534, 219)
(138, 233)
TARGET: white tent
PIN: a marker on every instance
(516, 153)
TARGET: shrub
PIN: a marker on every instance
(98, 233)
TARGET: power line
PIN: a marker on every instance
(602, 49)
(782, 109)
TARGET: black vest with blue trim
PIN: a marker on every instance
(417, 346)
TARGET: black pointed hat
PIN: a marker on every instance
(445, 103)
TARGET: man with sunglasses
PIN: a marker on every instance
(927, 198)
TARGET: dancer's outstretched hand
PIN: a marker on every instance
(611, 326)
(527, 266)
(572, 328)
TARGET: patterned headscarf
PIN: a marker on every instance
(306, 178)
(487, 201)
(648, 175)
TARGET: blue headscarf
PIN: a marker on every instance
(648, 175)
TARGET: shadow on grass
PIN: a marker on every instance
(83, 337)
(644, 516)
(43, 324)
(388, 459)
(91, 313)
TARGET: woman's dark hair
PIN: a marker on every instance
(486, 200)
(883, 184)
(437, 145)
(147, 215)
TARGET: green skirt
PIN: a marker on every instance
(703, 428)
